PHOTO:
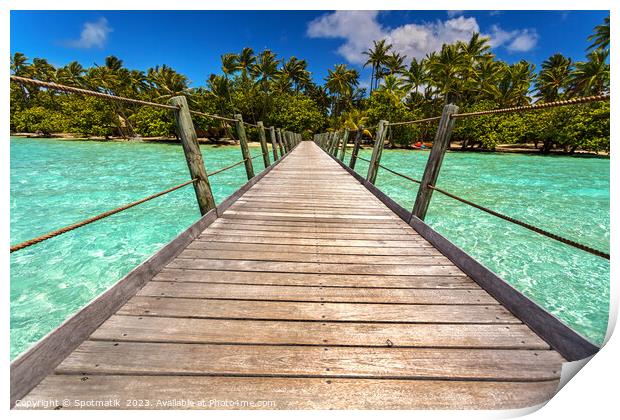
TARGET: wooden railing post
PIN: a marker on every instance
(356, 146)
(334, 148)
(279, 136)
(377, 151)
(274, 144)
(263, 143)
(433, 165)
(285, 141)
(245, 149)
(193, 155)
(345, 139)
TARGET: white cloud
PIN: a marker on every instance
(518, 40)
(359, 29)
(94, 34)
(454, 13)
(525, 41)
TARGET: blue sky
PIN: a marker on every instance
(192, 41)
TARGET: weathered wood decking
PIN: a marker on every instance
(309, 293)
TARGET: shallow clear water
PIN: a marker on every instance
(55, 183)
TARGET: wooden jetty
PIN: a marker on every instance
(304, 290)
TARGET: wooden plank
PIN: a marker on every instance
(314, 279)
(313, 249)
(425, 258)
(314, 311)
(325, 268)
(315, 294)
(312, 235)
(189, 330)
(99, 357)
(316, 242)
(205, 392)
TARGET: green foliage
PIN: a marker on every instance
(39, 119)
(90, 116)
(152, 122)
(296, 113)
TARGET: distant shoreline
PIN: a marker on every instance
(524, 148)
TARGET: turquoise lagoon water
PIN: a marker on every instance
(55, 183)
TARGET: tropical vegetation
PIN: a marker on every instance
(282, 92)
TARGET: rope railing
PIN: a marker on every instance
(103, 215)
(573, 101)
(232, 166)
(423, 120)
(185, 129)
(407, 177)
(524, 224)
(214, 116)
(72, 89)
(499, 215)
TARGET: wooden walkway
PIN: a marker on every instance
(309, 293)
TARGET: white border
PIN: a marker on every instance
(591, 394)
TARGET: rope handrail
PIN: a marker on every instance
(415, 121)
(501, 216)
(388, 169)
(232, 166)
(573, 101)
(524, 224)
(214, 116)
(71, 89)
(103, 215)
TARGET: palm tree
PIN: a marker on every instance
(166, 82)
(340, 82)
(376, 58)
(295, 71)
(245, 61)
(71, 74)
(394, 63)
(476, 48)
(19, 64)
(600, 37)
(42, 70)
(230, 65)
(553, 78)
(265, 70)
(591, 77)
(445, 70)
(415, 77)
(514, 84)
(353, 119)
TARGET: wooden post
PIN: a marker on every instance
(284, 142)
(193, 155)
(274, 146)
(245, 149)
(356, 146)
(433, 165)
(345, 139)
(336, 142)
(263, 143)
(377, 151)
(279, 136)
